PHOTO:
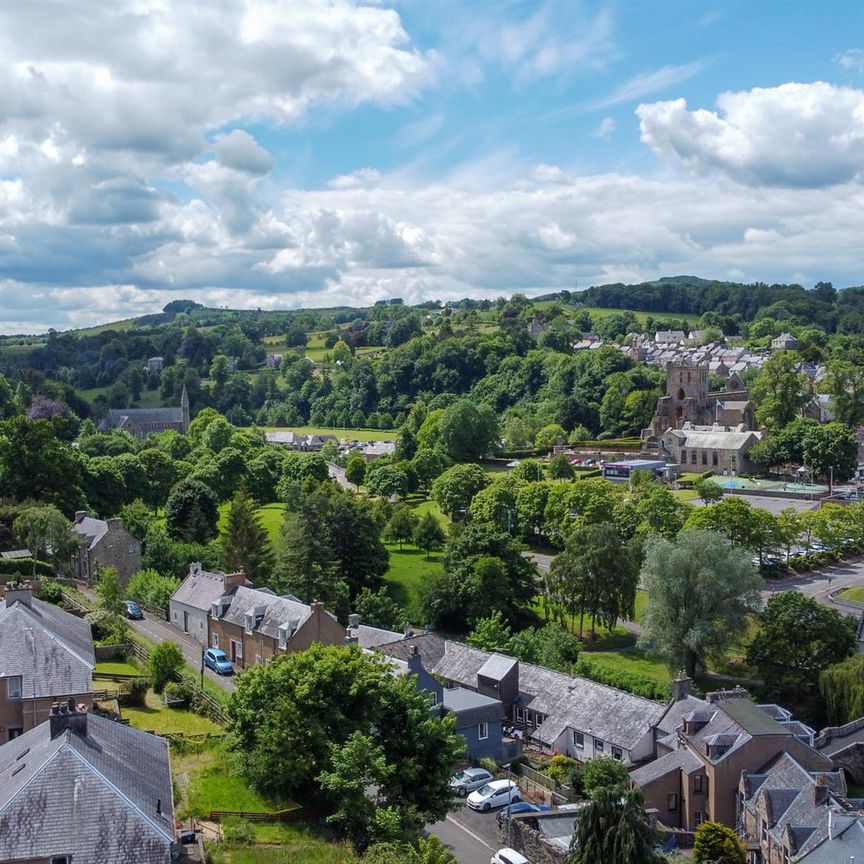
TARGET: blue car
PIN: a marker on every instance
(520, 807)
(218, 661)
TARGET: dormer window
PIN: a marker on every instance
(215, 609)
(283, 636)
(250, 622)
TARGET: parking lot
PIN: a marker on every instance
(472, 836)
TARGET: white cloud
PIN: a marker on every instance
(852, 60)
(240, 150)
(805, 135)
(605, 129)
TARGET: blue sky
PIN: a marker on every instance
(275, 155)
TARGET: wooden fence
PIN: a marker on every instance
(543, 786)
(293, 814)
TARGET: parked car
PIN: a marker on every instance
(468, 780)
(521, 807)
(133, 611)
(218, 661)
(494, 794)
(509, 856)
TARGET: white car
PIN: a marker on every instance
(509, 856)
(494, 794)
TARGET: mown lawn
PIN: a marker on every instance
(633, 661)
(271, 517)
(427, 505)
(340, 433)
(296, 844)
(157, 717)
(854, 594)
(409, 569)
(116, 668)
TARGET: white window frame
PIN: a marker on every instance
(617, 754)
(578, 740)
(697, 783)
(9, 689)
(215, 641)
(599, 746)
(672, 801)
(698, 817)
(520, 715)
(482, 731)
(433, 698)
(61, 859)
(258, 660)
(238, 652)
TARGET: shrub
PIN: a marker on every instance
(50, 592)
(604, 773)
(560, 768)
(489, 764)
(134, 693)
(238, 831)
(152, 589)
(181, 691)
(639, 685)
(26, 567)
(165, 664)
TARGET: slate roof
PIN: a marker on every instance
(787, 790)
(50, 649)
(200, 589)
(271, 611)
(674, 715)
(613, 715)
(118, 417)
(90, 530)
(497, 667)
(714, 439)
(86, 797)
(675, 761)
(371, 637)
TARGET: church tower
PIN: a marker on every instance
(184, 411)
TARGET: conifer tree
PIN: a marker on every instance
(245, 541)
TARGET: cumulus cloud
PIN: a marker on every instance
(799, 135)
(852, 60)
(239, 150)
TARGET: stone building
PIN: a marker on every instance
(104, 543)
(721, 449)
(252, 625)
(46, 654)
(141, 422)
(688, 400)
(190, 605)
(696, 778)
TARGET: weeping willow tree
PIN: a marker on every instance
(842, 686)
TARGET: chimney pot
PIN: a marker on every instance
(79, 515)
(353, 621)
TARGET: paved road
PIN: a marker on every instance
(472, 837)
(844, 574)
(159, 630)
(338, 474)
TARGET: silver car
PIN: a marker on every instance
(468, 780)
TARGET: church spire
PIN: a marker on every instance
(184, 409)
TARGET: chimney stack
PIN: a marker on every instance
(820, 791)
(232, 580)
(681, 687)
(415, 662)
(353, 621)
(65, 716)
(79, 515)
(19, 592)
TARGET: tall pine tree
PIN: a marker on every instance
(245, 541)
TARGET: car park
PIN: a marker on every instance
(468, 780)
(218, 661)
(520, 807)
(494, 794)
(508, 856)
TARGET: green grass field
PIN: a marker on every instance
(633, 661)
(271, 517)
(854, 594)
(114, 668)
(293, 843)
(209, 780)
(409, 569)
(641, 316)
(156, 717)
(351, 434)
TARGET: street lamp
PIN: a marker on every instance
(202, 667)
(509, 802)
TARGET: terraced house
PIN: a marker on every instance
(46, 655)
(252, 625)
